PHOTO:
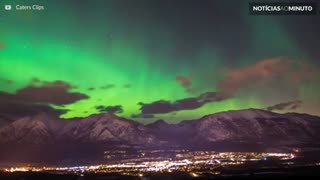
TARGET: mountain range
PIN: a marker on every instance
(250, 130)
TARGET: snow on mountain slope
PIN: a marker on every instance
(249, 126)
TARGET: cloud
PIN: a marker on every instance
(265, 73)
(108, 86)
(56, 92)
(110, 109)
(2, 45)
(6, 81)
(34, 99)
(185, 82)
(145, 116)
(127, 86)
(14, 105)
(36, 80)
(27, 109)
(164, 106)
(279, 73)
(157, 107)
(285, 106)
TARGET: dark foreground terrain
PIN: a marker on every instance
(226, 173)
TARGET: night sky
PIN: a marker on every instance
(156, 59)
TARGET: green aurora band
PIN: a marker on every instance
(92, 49)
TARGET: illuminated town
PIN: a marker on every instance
(195, 163)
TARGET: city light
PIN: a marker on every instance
(184, 161)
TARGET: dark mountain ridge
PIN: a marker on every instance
(249, 130)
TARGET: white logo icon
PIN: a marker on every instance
(7, 7)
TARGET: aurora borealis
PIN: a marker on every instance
(156, 59)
